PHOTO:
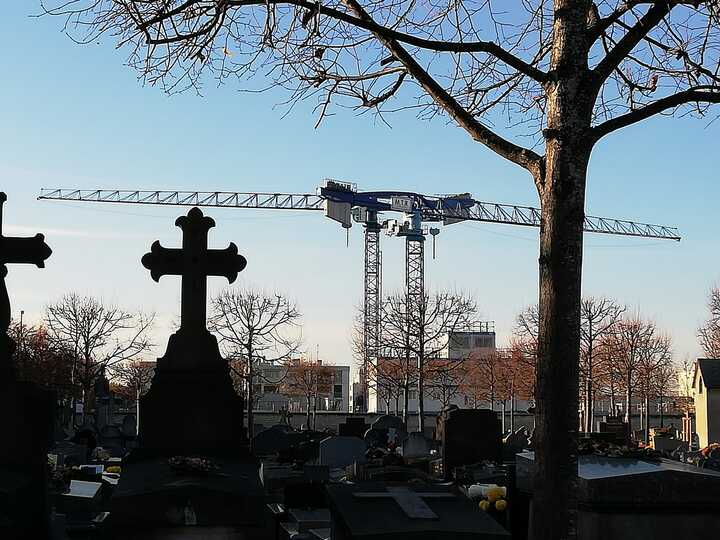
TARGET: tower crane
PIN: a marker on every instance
(419, 216)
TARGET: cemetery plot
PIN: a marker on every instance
(407, 512)
(623, 498)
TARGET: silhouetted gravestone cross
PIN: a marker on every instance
(30, 250)
(410, 501)
(194, 262)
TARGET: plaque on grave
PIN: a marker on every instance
(404, 512)
(26, 413)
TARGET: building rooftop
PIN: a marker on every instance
(710, 371)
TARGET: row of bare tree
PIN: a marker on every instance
(77, 341)
(625, 358)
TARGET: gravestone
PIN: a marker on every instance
(354, 426)
(192, 380)
(26, 414)
(416, 446)
(397, 430)
(339, 452)
(379, 511)
(271, 441)
(619, 430)
(627, 499)
(191, 467)
(468, 436)
(70, 453)
(129, 426)
(111, 438)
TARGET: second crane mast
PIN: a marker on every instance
(343, 203)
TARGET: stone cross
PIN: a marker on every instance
(30, 250)
(410, 501)
(194, 262)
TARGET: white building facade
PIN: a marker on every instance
(269, 396)
(469, 344)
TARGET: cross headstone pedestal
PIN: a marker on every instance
(26, 413)
(191, 406)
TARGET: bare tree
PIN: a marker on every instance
(254, 326)
(663, 382)
(100, 336)
(445, 382)
(419, 337)
(307, 379)
(655, 362)
(598, 316)
(563, 73)
(636, 349)
(709, 332)
(136, 376)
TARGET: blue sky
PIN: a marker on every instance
(75, 116)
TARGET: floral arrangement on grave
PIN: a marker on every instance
(611, 450)
(491, 497)
(707, 458)
(60, 479)
(193, 465)
(100, 454)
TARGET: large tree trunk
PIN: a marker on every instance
(561, 187)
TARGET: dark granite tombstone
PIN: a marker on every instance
(26, 414)
(129, 426)
(339, 452)
(401, 512)
(468, 436)
(627, 499)
(616, 428)
(192, 380)
(416, 446)
(396, 428)
(191, 467)
(354, 426)
(111, 438)
(271, 441)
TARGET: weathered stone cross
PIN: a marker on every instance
(410, 501)
(194, 262)
(31, 250)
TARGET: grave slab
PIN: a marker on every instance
(403, 512)
(627, 499)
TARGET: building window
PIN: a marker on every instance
(270, 389)
(337, 391)
(257, 388)
(412, 394)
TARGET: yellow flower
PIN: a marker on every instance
(113, 469)
(484, 505)
(500, 505)
(495, 493)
